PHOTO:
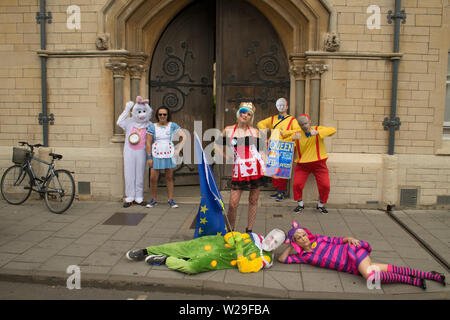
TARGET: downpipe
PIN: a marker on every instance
(44, 119)
(393, 122)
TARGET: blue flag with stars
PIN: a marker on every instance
(210, 220)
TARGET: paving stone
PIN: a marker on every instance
(322, 281)
(283, 280)
(36, 255)
(60, 263)
(16, 246)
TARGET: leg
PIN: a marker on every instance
(417, 273)
(129, 164)
(252, 207)
(323, 180)
(169, 182)
(154, 175)
(377, 271)
(301, 174)
(235, 197)
(140, 173)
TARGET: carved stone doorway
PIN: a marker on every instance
(251, 65)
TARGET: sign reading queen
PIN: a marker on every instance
(279, 160)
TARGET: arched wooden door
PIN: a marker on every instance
(251, 65)
(182, 75)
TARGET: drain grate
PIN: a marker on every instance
(125, 219)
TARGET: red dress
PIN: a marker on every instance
(248, 167)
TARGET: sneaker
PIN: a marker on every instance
(172, 204)
(299, 209)
(151, 204)
(274, 195)
(135, 255)
(156, 259)
(322, 210)
(280, 196)
(143, 203)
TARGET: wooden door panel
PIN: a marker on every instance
(253, 64)
(181, 76)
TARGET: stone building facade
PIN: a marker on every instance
(340, 72)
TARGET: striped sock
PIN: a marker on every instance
(416, 273)
(389, 277)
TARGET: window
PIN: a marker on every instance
(447, 104)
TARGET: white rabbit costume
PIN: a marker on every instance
(134, 155)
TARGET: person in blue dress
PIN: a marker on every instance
(161, 152)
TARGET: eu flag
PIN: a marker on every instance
(210, 220)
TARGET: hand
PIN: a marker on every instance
(353, 241)
(129, 105)
(313, 132)
(150, 163)
(281, 132)
(296, 136)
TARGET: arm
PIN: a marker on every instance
(283, 256)
(148, 145)
(180, 145)
(325, 131)
(123, 116)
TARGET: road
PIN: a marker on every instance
(33, 291)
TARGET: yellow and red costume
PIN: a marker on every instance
(311, 157)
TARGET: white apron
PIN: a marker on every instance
(163, 146)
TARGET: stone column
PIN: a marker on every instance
(136, 69)
(118, 67)
(296, 69)
(315, 70)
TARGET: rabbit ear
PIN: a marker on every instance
(295, 224)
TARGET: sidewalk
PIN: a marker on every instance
(38, 246)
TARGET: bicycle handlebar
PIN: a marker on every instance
(31, 146)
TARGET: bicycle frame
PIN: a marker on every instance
(36, 180)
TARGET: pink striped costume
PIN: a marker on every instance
(328, 252)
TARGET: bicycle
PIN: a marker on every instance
(57, 187)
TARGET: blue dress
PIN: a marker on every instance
(169, 130)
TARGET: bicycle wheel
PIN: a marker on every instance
(16, 185)
(60, 191)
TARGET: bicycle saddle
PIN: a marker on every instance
(55, 156)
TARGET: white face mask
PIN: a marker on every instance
(281, 105)
(273, 240)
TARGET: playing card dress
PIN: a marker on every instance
(248, 166)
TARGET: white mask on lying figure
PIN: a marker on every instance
(273, 240)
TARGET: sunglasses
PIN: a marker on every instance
(162, 114)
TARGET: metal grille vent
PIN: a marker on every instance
(408, 197)
(84, 187)
(444, 200)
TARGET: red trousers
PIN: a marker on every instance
(320, 171)
(279, 184)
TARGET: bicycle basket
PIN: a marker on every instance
(20, 155)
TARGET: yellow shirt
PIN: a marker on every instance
(312, 148)
(288, 123)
